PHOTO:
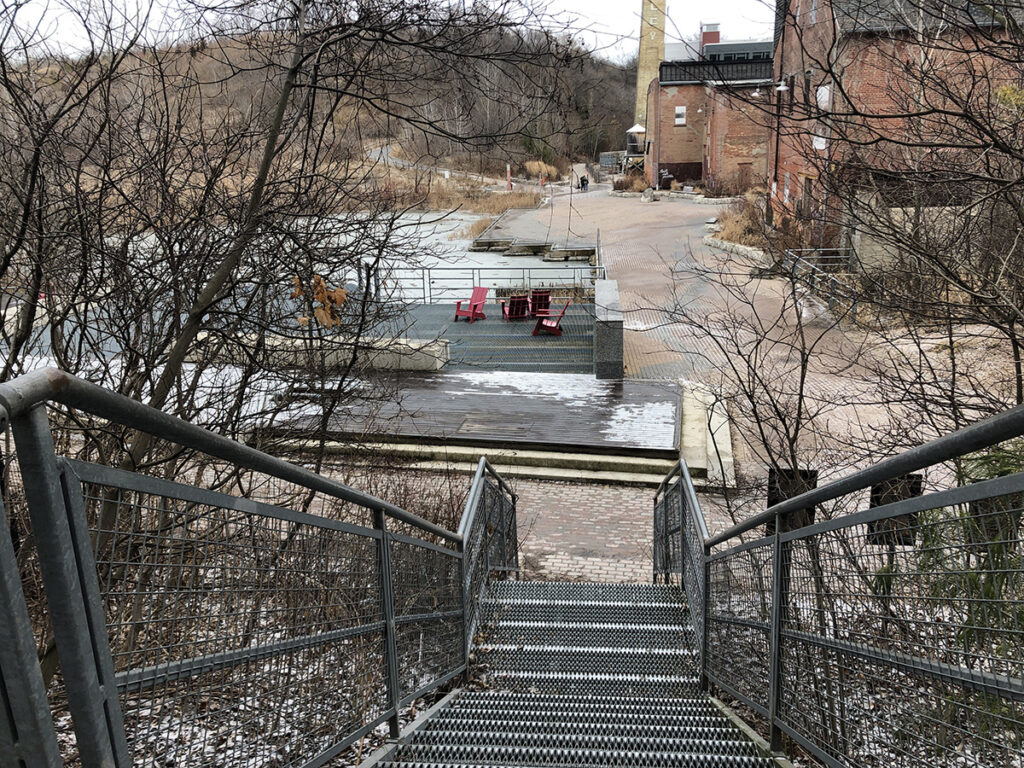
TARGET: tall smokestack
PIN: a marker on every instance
(652, 51)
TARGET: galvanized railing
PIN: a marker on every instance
(490, 535)
(827, 272)
(878, 620)
(679, 535)
(431, 285)
(200, 628)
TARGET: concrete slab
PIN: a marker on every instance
(564, 412)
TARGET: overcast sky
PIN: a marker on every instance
(610, 26)
(615, 24)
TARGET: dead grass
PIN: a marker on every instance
(472, 231)
(537, 168)
(743, 222)
(449, 197)
(634, 182)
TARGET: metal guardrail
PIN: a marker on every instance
(488, 527)
(679, 536)
(197, 627)
(889, 631)
(825, 271)
(439, 284)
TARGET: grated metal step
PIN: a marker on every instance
(583, 675)
(583, 611)
(555, 590)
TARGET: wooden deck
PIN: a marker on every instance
(565, 412)
(494, 345)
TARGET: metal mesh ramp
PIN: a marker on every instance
(587, 675)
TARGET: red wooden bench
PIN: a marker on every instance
(475, 310)
(550, 322)
(518, 308)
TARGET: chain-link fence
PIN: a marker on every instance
(890, 632)
(196, 627)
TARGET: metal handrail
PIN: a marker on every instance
(846, 596)
(53, 385)
(995, 429)
(449, 279)
(88, 517)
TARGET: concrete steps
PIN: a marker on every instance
(539, 465)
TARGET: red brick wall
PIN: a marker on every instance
(675, 148)
(875, 84)
(736, 149)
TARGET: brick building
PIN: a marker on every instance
(703, 123)
(871, 48)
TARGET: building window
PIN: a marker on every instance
(729, 57)
(760, 55)
(814, 11)
(680, 115)
(713, 57)
(785, 189)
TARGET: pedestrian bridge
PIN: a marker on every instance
(244, 611)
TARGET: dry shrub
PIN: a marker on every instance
(472, 231)
(633, 182)
(448, 198)
(743, 222)
(535, 168)
(675, 186)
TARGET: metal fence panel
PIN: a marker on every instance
(491, 544)
(920, 628)
(200, 628)
(27, 736)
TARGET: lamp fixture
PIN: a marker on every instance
(756, 94)
(782, 87)
(700, 110)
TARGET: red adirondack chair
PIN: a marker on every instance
(475, 310)
(540, 302)
(549, 322)
(517, 308)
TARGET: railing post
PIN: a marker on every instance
(27, 735)
(72, 593)
(387, 599)
(464, 602)
(684, 553)
(779, 587)
(705, 680)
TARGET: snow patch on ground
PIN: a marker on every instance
(656, 420)
(574, 389)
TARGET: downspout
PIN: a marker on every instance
(657, 147)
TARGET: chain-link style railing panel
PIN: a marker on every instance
(428, 613)
(739, 622)
(491, 541)
(201, 628)
(890, 634)
(667, 516)
(914, 620)
(679, 534)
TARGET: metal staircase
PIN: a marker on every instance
(581, 675)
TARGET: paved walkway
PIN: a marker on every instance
(654, 251)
